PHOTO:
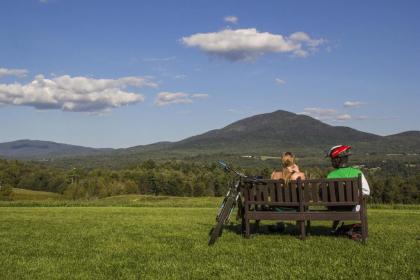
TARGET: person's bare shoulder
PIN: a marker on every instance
(276, 175)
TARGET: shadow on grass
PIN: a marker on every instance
(289, 229)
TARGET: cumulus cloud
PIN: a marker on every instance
(249, 44)
(320, 113)
(199, 95)
(343, 117)
(231, 19)
(305, 38)
(353, 104)
(13, 72)
(167, 98)
(333, 115)
(324, 114)
(378, 118)
(280, 81)
(74, 94)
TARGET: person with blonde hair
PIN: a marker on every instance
(290, 170)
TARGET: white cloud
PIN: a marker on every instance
(199, 95)
(305, 38)
(301, 53)
(332, 115)
(249, 44)
(231, 19)
(234, 111)
(324, 114)
(167, 98)
(381, 118)
(343, 117)
(361, 118)
(280, 81)
(320, 113)
(75, 94)
(353, 104)
(159, 59)
(180, 77)
(13, 72)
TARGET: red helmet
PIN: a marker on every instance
(339, 151)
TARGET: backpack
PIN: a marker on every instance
(353, 231)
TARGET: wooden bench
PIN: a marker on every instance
(259, 200)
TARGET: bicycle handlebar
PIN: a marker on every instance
(228, 168)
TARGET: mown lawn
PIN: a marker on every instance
(171, 243)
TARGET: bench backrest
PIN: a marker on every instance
(326, 192)
(271, 192)
(331, 192)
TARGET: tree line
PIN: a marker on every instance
(390, 183)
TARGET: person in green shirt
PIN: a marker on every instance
(339, 159)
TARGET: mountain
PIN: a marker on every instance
(34, 149)
(276, 130)
(408, 140)
(269, 133)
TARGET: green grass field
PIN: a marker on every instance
(169, 241)
(25, 195)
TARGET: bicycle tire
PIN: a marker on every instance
(224, 214)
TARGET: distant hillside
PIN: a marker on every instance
(263, 134)
(34, 149)
(278, 131)
(406, 140)
(274, 132)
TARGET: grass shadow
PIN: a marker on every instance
(288, 229)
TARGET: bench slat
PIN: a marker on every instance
(264, 193)
(324, 191)
(293, 190)
(259, 202)
(251, 193)
(315, 192)
(280, 192)
(307, 191)
(355, 188)
(331, 189)
(341, 186)
(295, 216)
(349, 196)
(286, 193)
(272, 191)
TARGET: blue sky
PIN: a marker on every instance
(125, 73)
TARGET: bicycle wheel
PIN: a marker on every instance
(224, 214)
(219, 212)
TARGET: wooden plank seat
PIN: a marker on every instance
(304, 199)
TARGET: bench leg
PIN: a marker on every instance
(364, 228)
(302, 230)
(257, 225)
(308, 228)
(247, 228)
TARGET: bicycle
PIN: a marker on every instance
(231, 200)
